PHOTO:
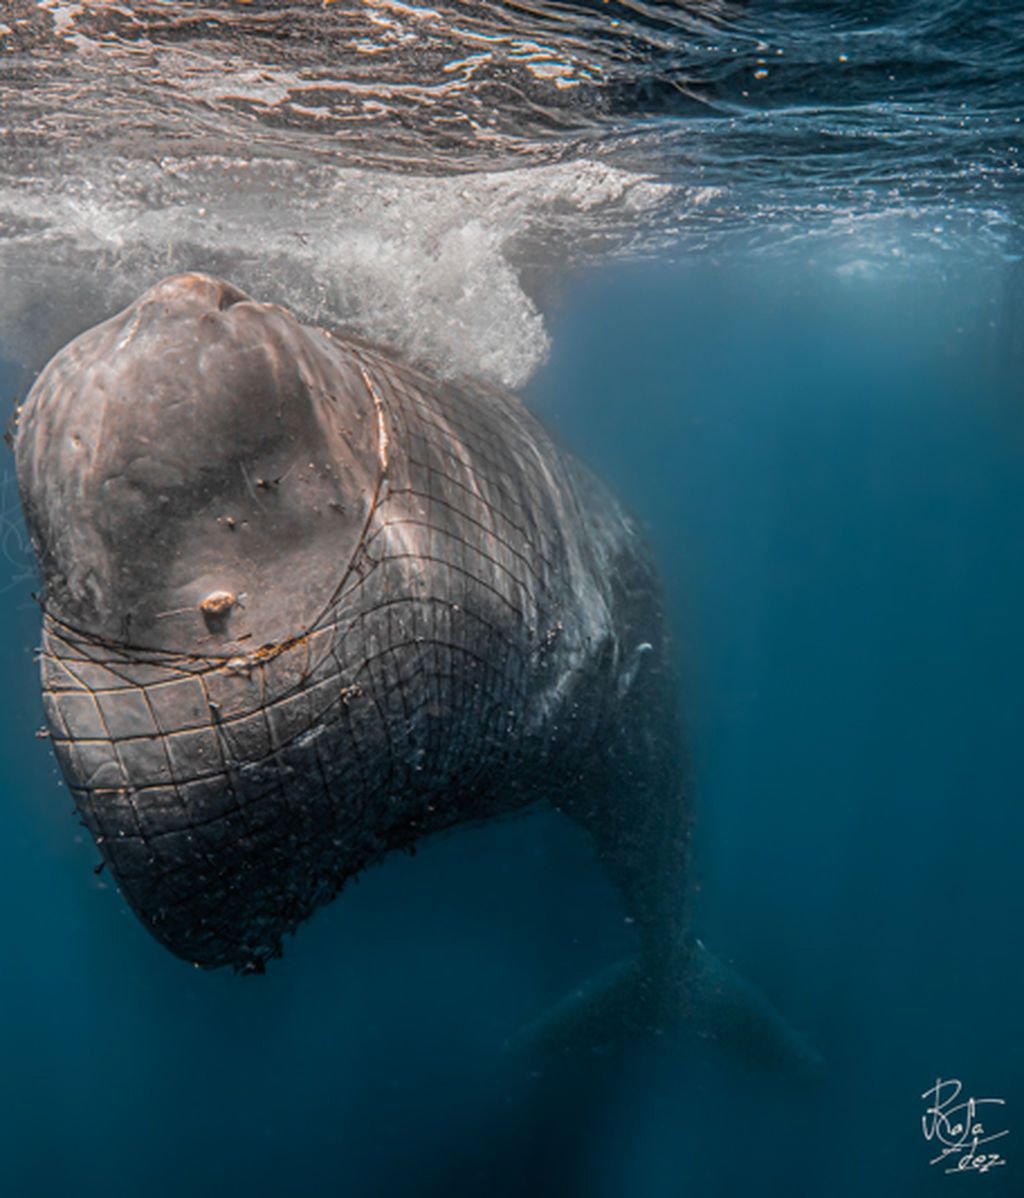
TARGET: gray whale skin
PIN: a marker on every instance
(303, 606)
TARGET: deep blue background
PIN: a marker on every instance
(831, 470)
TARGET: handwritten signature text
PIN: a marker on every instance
(959, 1126)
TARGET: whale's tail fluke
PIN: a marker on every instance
(699, 993)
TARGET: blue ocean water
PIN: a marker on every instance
(800, 367)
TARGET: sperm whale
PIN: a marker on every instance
(304, 606)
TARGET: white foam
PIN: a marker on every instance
(433, 266)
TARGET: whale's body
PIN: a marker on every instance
(304, 605)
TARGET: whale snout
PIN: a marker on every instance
(197, 474)
(196, 444)
(193, 292)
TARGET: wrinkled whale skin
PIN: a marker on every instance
(435, 615)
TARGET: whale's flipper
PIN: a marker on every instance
(699, 992)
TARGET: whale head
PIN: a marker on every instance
(197, 474)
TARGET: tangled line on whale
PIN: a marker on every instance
(303, 606)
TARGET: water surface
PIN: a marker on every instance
(760, 265)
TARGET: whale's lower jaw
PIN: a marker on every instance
(221, 893)
(215, 791)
